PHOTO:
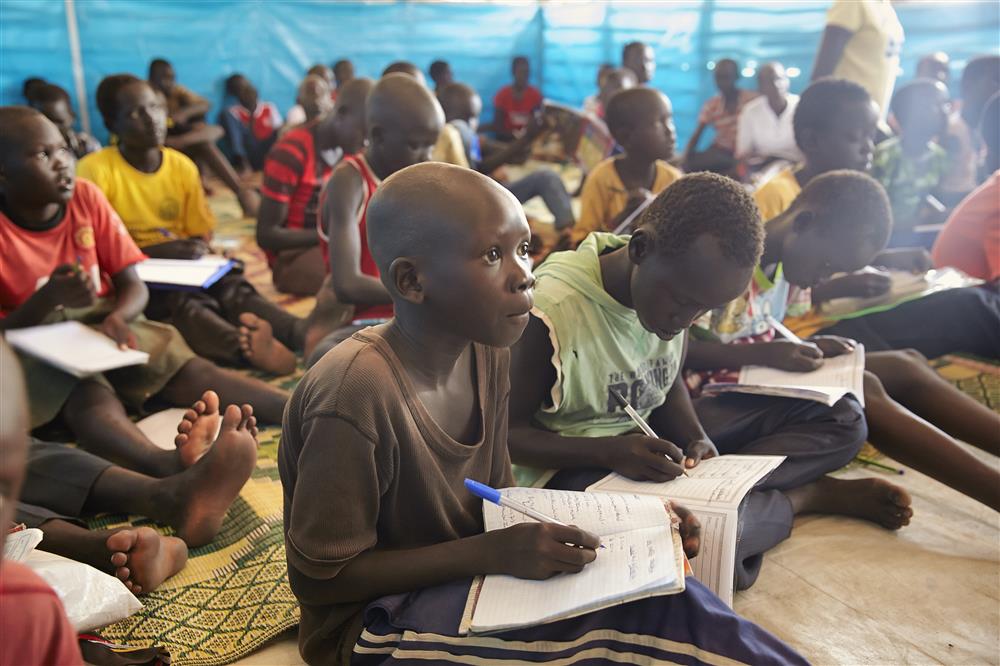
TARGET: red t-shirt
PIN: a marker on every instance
(970, 241)
(90, 233)
(291, 178)
(33, 624)
(370, 182)
(516, 111)
(263, 121)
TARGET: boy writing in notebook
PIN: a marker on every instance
(380, 533)
(67, 255)
(835, 124)
(641, 121)
(611, 317)
(838, 222)
(403, 120)
(155, 191)
(294, 174)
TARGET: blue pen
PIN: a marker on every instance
(489, 494)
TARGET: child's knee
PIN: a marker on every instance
(852, 428)
(874, 389)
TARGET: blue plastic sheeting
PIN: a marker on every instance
(273, 42)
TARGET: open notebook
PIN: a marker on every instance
(73, 348)
(183, 274)
(713, 492)
(642, 557)
(837, 377)
(905, 287)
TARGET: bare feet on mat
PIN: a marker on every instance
(203, 493)
(143, 558)
(876, 500)
(261, 349)
(198, 429)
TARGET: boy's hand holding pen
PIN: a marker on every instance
(69, 286)
(645, 457)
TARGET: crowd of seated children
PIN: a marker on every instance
(721, 113)
(29, 607)
(313, 98)
(515, 103)
(611, 316)
(641, 121)
(156, 193)
(462, 106)
(67, 256)
(403, 122)
(838, 223)
(979, 82)
(835, 126)
(383, 430)
(189, 133)
(970, 240)
(251, 125)
(55, 104)
(294, 174)
(764, 132)
(911, 165)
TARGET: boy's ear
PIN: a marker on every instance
(804, 220)
(808, 140)
(377, 133)
(405, 279)
(641, 246)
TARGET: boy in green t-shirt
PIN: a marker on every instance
(611, 317)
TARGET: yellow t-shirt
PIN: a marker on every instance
(604, 195)
(155, 207)
(449, 148)
(871, 56)
(773, 198)
(776, 195)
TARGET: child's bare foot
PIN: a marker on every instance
(143, 558)
(261, 349)
(198, 428)
(876, 500)
(204, 492)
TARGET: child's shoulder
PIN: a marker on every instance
(99, 159)
(176, 160)
(355, 379)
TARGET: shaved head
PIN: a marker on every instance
(353, 94)
(399, 96)
(427, 208)
(13, 120)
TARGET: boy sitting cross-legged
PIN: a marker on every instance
(381, 535)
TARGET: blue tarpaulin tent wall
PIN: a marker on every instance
(273, 42)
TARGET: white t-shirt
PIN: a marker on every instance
(761, 133)
(871, 56)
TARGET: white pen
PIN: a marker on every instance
(641, 422)
(784, 330)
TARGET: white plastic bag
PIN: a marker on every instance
(91, 598)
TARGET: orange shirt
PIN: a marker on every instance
(32, 621)
(970, 240)
(90, 233)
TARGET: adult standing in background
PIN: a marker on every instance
(861, 43)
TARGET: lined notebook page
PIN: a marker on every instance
(629, 563)
(837, 376)
(722, 481)
(599, 514)
(638, 555)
